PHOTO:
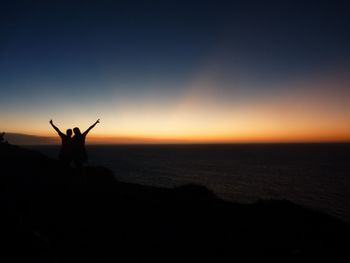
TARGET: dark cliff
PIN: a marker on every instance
(55, 214)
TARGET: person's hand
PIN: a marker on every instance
(51, 122)
(98, 121)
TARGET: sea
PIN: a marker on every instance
(316, 176)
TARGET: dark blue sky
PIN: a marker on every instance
(85, 51)
(158, 39)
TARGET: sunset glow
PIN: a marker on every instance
(313, 112)
(209, 82)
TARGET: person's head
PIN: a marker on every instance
(69, 132)
(77, 131)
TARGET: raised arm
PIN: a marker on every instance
(56, 129)
(89, 129)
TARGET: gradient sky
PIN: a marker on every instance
(177, 71)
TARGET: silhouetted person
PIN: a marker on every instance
(66, 151)
(2, 139)
(79, 151)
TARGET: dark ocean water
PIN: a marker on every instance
(313, 175)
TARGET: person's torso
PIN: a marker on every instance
(78, 142)
(66, 143)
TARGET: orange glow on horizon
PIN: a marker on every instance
(288, 138)
(315, 111)
(214, 140)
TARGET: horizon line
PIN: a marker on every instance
(34, 139)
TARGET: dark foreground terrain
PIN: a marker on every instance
(54, 214)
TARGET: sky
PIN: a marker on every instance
(177, 71)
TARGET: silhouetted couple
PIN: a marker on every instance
(73, 148)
